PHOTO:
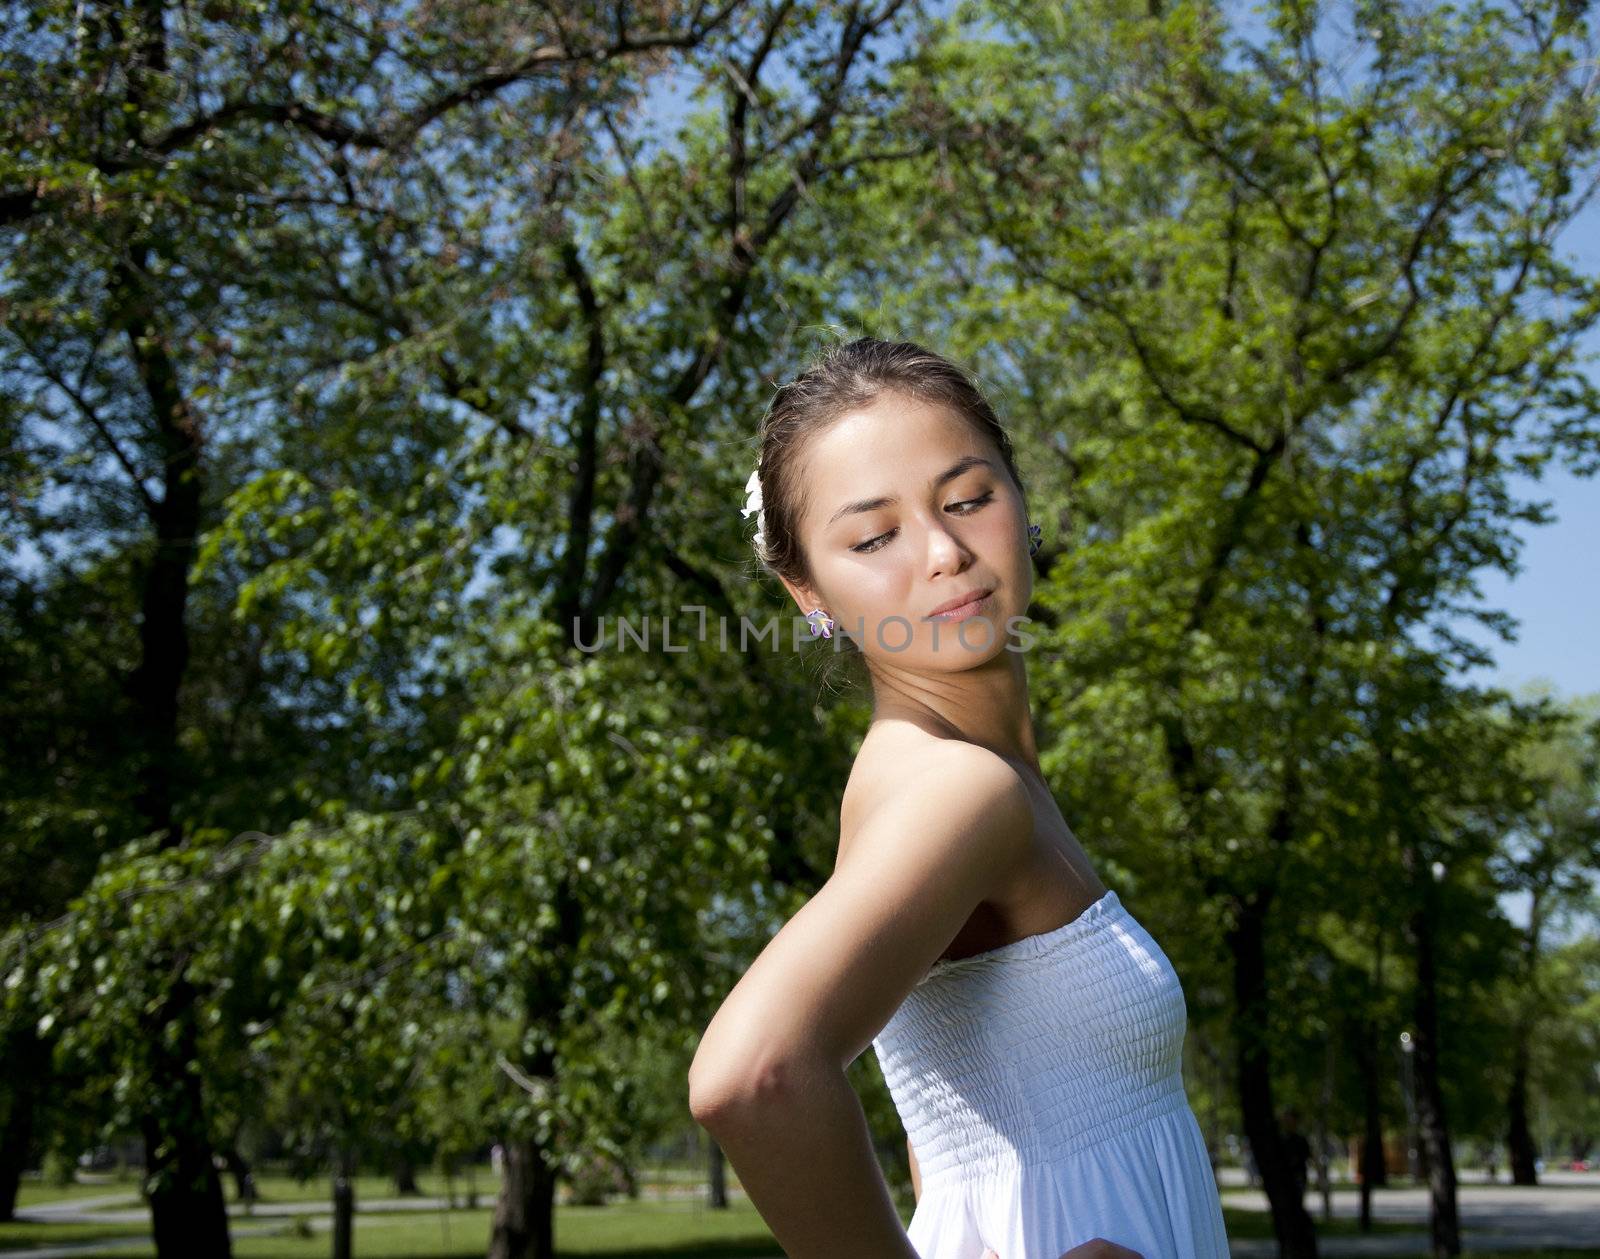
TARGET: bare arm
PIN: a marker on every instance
(768, 1080)
(803, 1152)
(916, 1175)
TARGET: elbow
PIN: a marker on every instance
(707, 1095)
(714, 1090)
(721, 1092)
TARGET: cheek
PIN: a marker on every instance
(1008, 558)
(883, 589)
(997, 531)
(867, 589)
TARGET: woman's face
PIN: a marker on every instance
(909, 507)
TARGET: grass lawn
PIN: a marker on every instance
(277, 1188)
(270, 1187)
(624, 1230)
(619, 1231)
(1242, 1222)
(33, 1191)
(15, 1236)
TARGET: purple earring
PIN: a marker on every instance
(822, 625)
(1035, 539)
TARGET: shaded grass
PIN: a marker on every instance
(15, 1235)
(623, 1230)
(273, 1187)
(631, 1230)
(32, 1191)
(270, 1187)
(1242, 1222)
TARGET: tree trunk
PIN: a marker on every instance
(187, 1213)
(405, 1177)
(157, 679)
(188, 1216)
(524, 1212)
(717, 1166)
(15, 1138)
(1433, 1126)
(1374, 1168)
(1324, 1139)
(1247, 941)
(1519, 1137)
(344, 1206)
(26, 1062)
(186, 1205)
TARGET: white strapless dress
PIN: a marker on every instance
(1040, 1086)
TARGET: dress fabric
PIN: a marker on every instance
(1040, 1085)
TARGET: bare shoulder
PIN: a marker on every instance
(939, 835)
(905, 773)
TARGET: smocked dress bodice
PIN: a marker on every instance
(1040, 1085)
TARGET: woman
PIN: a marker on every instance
(1030, 1030)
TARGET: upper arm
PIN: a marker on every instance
(829, 981)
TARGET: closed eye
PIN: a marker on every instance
(968, 505)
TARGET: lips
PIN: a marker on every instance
(971, 596)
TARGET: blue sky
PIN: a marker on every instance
(1556, 596)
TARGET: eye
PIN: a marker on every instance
(969, 505)
(972, 503)
(872, 544)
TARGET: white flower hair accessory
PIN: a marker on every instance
(753, 505)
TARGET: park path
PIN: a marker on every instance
(1563, 1211)
(127, 1209)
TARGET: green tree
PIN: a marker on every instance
(152, 167)
(1551, 859)
(350, 921)
(1298, 326)
(635, 310)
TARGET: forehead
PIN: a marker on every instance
(892, 436)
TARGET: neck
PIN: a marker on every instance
(986, 705)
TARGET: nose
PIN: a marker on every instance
(945, 552)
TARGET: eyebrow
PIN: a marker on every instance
(949, 474)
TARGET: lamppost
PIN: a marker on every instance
(1407, 1048)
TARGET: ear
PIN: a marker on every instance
(805, 598)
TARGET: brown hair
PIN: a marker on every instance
(842, 378)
